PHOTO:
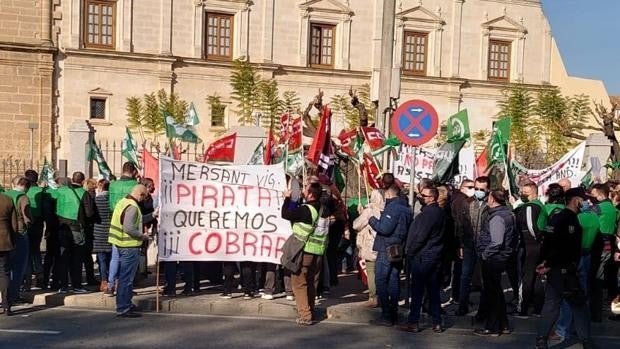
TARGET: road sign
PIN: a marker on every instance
(415, 122)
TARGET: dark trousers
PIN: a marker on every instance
(171, 269)
(467, 271)
(551, 309)
(455, 284)
(248, 277)
(424, 277)
(513, 269)
(388, 285)
(35, 234)
(269, 269)
(70, 259)
(532, 291)
(4, 279)
(495, 304)
(336, 232)
(50, 262)
(229, 269)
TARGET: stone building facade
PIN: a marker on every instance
(27, 57)
(451, 53)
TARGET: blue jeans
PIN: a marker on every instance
(388, 287)
(129, 259)
(18, 259)
(103, 260)
(467, 271)
(113, 269)
(565, 320)
(424, 276)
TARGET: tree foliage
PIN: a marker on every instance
(145, 114)
(269, 103)
(290, 101)
(244, 81)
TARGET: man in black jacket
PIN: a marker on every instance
(459, 209)
(424, 247)
(561, 253)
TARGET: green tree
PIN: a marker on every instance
(290, 101)
(363, 94)
(244, 81)
(518, 104)
(480, 139)
(269, 103)
(146, 115)
(134, 114)
(343, 112)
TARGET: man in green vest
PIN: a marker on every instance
(123, 186)
(19, 256)
(304, 220)
(127, 235)
(74, 208)
(605, 267)
(35, 233)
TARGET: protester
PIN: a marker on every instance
(365, 241)
(471, 226)
(101, 232)
(74, 208)
(531, 219)
(35, 232)
(19, 257)
(555, 199)
(8, 230)
(91, 189)
(459, 209)
(127, 235)
(305, 281)
(496, 244)
(424, 247)
(565, 184)
(391, 231)
(449, 266)
(561, 253)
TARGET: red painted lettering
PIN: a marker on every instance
(209, 193)
(249, 241)
(266, 244)
(184, 191)
(192, 250)
(218, 243)
(279, 243)
(228, 194)
(232, 240)
(264, 194)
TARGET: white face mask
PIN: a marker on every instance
(469, 192)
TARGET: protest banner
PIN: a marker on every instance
(569, 166)
(424, 164)
(221, 213)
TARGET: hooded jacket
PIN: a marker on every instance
(392, 227)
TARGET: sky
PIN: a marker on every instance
(588, 36)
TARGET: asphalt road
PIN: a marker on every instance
(69, 328)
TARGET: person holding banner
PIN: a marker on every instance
(127, 235)
(304, 220)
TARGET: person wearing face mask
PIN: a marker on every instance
(20, 255)
(561, 253)
(469, 224)
(603, 266)
(531, 222)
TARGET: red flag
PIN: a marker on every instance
(372, 171)
(176, 151)
(222, 149)
(267, 154)
(150, 164)
(347, 142)
(320, 150)
(294, 140)
(373, 137)
(482, 164)
(284, 128)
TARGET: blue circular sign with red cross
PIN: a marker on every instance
(415, 122)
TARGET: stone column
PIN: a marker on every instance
(46, 22)
(268, 23)
(457, 20)
(79, 134)
(165, 32)
(597, 146)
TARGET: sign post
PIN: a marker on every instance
(414, 123)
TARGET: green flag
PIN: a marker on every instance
(191, 117)
(182, 132)
(257, 157)
(338, 178)
(458, 127)
(47, 174)
(129, 148)
(391, 143)
(587, 179)
(502, 127)
(94, 153)
(446, 163)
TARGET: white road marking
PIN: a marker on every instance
(30, 331)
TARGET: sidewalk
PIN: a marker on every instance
(343, 304)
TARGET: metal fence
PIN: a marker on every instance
(10, 168)
(113, 153)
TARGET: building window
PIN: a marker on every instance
(415, 53)
(99, 23)
(219, 36)
(97, 108)
(499, 60)
(217, 115)
(322, 45)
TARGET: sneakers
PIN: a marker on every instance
(80, 290)
(248, 296)
(63, 291)
(129, 314)
(226, 295)
(486, 333)
(267, 296)
(290, 298)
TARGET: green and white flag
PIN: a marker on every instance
(257, 157)
(94, 153)
(182, 132)
(47, 174)
(129, 148)
(191, 117)
(458, 127)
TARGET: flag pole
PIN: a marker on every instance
(157, 281)
(412, 178)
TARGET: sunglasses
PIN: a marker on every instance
(426, 196)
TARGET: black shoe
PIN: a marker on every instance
(541, 343)
(187, 293)
(438, 329)
(461, 312)
(129, 314)
(8, 312)
(382, 322)
(521, 315)
(486, 333)
(413, 328)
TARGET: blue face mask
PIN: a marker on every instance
(480, 195)
(585, 206)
